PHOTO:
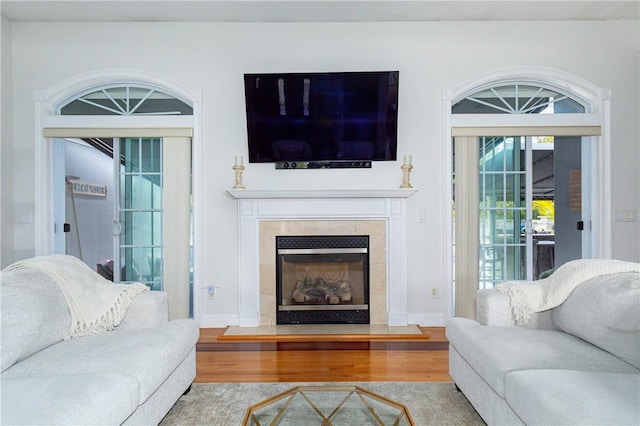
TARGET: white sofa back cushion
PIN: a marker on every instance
(605, 312)
(35, 314)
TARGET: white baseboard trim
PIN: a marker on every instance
(427, 320)
(218, 321)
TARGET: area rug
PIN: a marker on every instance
(225, 404)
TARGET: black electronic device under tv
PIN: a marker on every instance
(334, 116)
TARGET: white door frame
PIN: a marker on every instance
(598, 103)
(46, 103)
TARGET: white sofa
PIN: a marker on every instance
(130, 375)
(577, 363)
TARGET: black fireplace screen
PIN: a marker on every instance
(322, 279)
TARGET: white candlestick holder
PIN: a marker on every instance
(238, 170)
(406, 172)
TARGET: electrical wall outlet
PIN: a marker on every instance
(624, 215)
(211, 291)
(434, 292)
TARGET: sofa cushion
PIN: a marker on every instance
(78, 399)
(495, 351)
(148, 355)
(35, 314)
(563, 397)
(604, 311)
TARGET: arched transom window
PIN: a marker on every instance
(126, 100)
(517, 99)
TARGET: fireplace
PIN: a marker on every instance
(264, 214)
(322, 279)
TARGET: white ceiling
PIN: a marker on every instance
(315, 10)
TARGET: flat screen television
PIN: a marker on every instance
(322, 116)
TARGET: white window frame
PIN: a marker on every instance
(598, 116)
(47, 103)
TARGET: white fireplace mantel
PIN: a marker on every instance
(320, 193)
(255, 206)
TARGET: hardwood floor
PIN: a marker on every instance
(322, 361)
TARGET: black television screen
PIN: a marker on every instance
(322, 116)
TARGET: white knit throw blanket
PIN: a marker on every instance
(530, 297)
(96, 304)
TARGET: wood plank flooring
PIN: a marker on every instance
(220, 361)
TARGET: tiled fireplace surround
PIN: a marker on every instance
(264, 214)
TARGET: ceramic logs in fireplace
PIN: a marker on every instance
(322, 279)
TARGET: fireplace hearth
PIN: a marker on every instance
(322, 279)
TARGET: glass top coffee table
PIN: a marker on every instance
(327, 406)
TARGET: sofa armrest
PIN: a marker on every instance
(494, 308)
(147, 310)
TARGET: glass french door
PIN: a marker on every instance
(139, 211)
(144, 224)
(532, 211)
(152, 226)
(505, 211)
(526, 201)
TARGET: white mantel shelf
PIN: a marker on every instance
(320, 193)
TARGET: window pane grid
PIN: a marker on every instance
(500, 211)
(126, 100)
(518, 99)
(141, 211)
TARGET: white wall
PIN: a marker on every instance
(6, 148)
(432, 56)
